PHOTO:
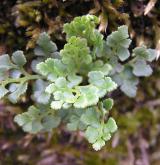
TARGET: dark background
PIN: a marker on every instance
(137, 141)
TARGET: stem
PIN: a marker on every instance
(21, 79)
(102, 113)
(132, 61)
(24, 72)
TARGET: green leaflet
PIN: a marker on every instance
(3, 75)
(98, 144)
(96, 132)
(19, 90)
(153, 54)
(18, 58)
(99, 65)
(144, 54)
(88, 95)
(61, 91)
(104, 84)
(92, 134)
(50, 121)
(39, 94)
(3, 91)
(36, 120)
(129, 87)
(123, 53)
(108, 104)
(110, 126)
(74, 80)
(56, 104)
(5, 62)
(91, 117)
(75, 54)
(75, 122)
(45, 49)
(45, 46)
(141, 68)
(119, 41)
(127, 81)
(15, 73)
(51, 68)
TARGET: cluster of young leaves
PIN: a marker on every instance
(71, 86)
(85, 27)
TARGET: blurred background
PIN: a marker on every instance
(137, 141)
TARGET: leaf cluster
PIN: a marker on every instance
(72, 86)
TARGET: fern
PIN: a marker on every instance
(72, 86)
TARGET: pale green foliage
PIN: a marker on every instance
(15, 66)
(19, 90)
(104, 84)
(141, 68)
(38, 119)
(142, 55)
(5, 63)
(126, 75)
(52, 69)
(76, 54)
(127, 81)
(81, 26)
(72, 86)
(65, 91)
(88, 96)
(84, 27)
(108, 104)
(39, 94)
(45, 47)
(119, 42)
(75, 122)
(79, 96)
(3, 91)
(97, 132)
(89, 121)
(100, 66)
(18, 58)
(61, 91)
